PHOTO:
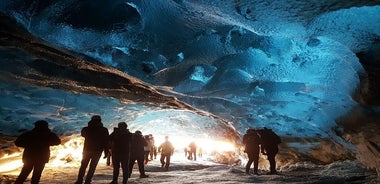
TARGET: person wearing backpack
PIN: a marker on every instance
(137, 153)
(252, 142)
(269, 147)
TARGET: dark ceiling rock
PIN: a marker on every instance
(100, 15)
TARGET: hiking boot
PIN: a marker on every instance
(247, 171)
(272, 172)
(144, 176)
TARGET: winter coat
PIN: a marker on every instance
(137, 145)
(37, 144)
(193, 147)
(120, 140)
(95, 137)
(166, 148)
(270, 141)
(252, 142)
(147, 148)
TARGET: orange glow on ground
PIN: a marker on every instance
(69, 153)
(10, 162)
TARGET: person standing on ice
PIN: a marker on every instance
(120, 140)
(153, 148)
(167, 150)
(269, 147)
(200, 152)
(36, 154)
(95, 142)
(147, 149)
(137, 153)
(193, 151)
(252, 142)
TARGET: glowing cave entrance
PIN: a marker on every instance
(69, 153)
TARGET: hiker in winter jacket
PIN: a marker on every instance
(95, 142)
(120, 146)
(166, 150)
(269, 147)
(36, 154)
(252, 142)
(137, 153)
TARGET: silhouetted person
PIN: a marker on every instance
(36, 154)
(193, 151)
(109, 155)
(166, 149)
(252, 142)
(269, 147)
(146, 149)
(200, 152)
(120, 140)
(153, 150)
(186, 150)
(137, 153)
(95, 142)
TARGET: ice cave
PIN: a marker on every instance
(203, 70)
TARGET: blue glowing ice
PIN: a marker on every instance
(240, 61)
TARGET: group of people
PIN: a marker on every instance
(124, 149)
(121, 146)
(261, 139)
(150, 149)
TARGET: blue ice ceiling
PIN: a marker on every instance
(286, 65)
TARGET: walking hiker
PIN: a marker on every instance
(95, 142)
(166, 149)
(120, 140)
(137, 153)
(193, 151)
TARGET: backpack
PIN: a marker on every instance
(269, 136)
(251, 141)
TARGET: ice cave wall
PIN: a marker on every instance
(288, 65)
(66, 88)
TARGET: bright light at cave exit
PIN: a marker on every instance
(208, 145)
(69, 153)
